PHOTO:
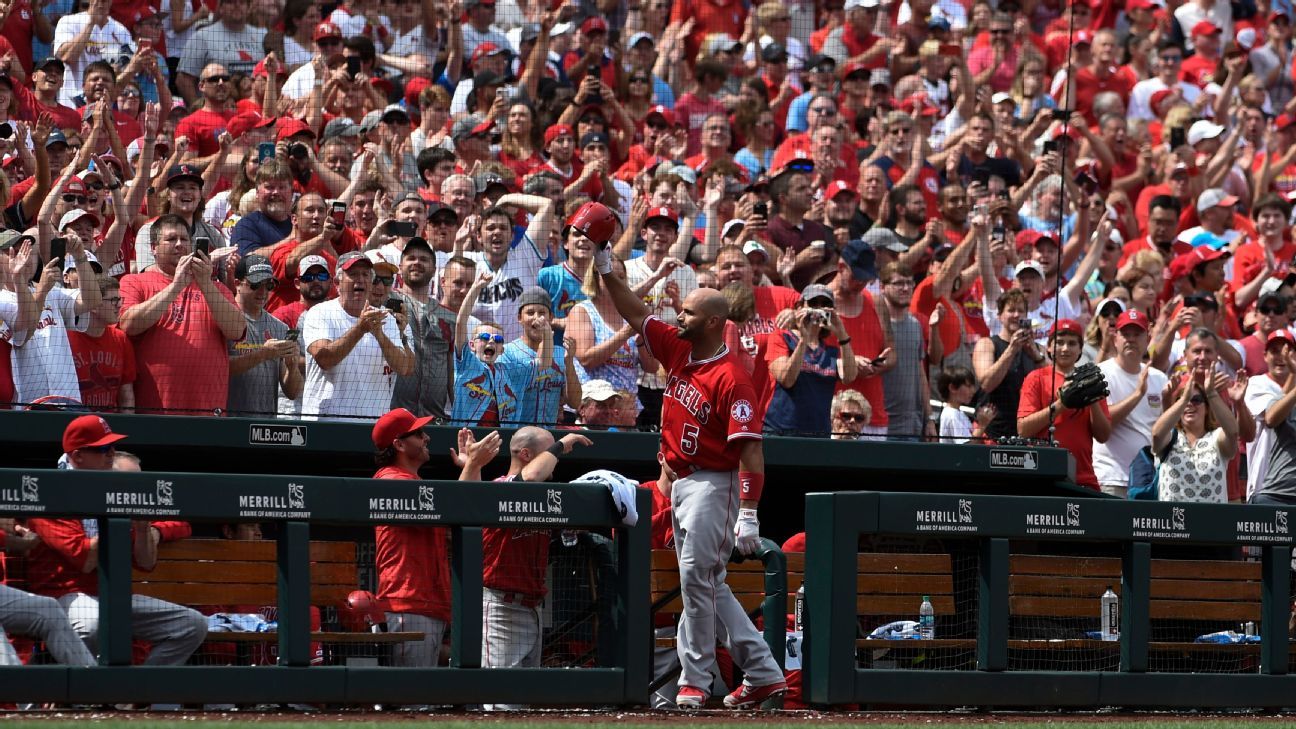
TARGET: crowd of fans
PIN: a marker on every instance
(923, 213)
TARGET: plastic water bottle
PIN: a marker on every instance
(1110, 615)
(798, 612)
(926, 619)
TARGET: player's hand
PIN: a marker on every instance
(572, 440)
(483, 451)
(603, 259)
(747, 532)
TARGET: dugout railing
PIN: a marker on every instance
(295, 504)
(836, 523)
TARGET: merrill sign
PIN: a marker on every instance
(421, 507)
(946, 520)
(534, 511)
(275, 506)
(25, 498)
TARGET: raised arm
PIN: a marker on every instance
(628, 304)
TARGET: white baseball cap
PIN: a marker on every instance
(1202, 129)
(72, 216)
(69, 264)
(1028, 266)
(861, 4)
(730, 225)
(1000, 97)
(309, 262)
(598, 390)
(753, 246)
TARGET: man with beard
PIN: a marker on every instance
(512, 269)
(871, 342)
(426, 391)
(202, 126)
(908, 403)
(355, 350)
(314, 233)
(313, 285)
(271, 223)
(264, 360)
(902, 159)
(791, 230)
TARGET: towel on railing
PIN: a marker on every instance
(1227, 637)
(240, 623)
(899, 630)
(623, 492)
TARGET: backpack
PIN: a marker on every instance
(1144, 471)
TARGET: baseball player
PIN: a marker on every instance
(413, 569)
(515, 560)
(64, 564)
(711, 439)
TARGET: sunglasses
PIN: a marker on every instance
(78, 199)
(825, 111)
(267, 285)
(128, 93)
(851, 417)
(103, 449)
(659, 126)
(1271, 310)
(800, 166)
(95, 185)
(384, 280)
(1196, 400)
(217, 79)
(314, 277)
(496, 338)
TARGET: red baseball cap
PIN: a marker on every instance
(1159, 97)
(1066, 326)
(1084, 36)
(593, 24)
(662, 212)
(1138, 5)
(555, 131)
(1284, 120)
(245, 122)
(1205, 27)
(1278, 14)
(1132, 318)
(1279, 335)
(483, 50)
(291, 126)
(666, 115)
(1028, 237)
(88, 431)
(327, 29)
(838, 188)
(395, 424)
(75, 186)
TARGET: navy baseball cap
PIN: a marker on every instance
(862, 260)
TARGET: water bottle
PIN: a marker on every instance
(926, 619)
(798, 612)
(1110, 615)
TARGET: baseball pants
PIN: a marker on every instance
(424, 653)
(174, 630)
(705, 506)
(37, 616)
(511, 637)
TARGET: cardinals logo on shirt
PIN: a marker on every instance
(475, 389)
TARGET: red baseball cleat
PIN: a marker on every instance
(745, 697)
(691, 698)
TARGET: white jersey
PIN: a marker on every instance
(1261, 393)
(42, 362)
(105, 44)
(362, 383)
(1111, 460)
(498, 300)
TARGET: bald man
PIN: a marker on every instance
(711, 438)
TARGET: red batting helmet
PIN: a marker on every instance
(361, 612)
(594, 221)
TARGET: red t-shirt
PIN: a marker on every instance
(867, 340)
(707, 405)
(413, 567)
(951, 329)
(29, 108)
(1249, 261)
(202, 127)
(709, 16)
(6, 371)
(290, 314)
(183, 358)
(770, 300)
(55, 566)
(1197, 69)
(515, 560)
(663, 534)
(1071, 427)
(103, 364)
(19, 30)
(1088, 85)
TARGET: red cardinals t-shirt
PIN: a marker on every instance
(202, 127)
(412, 562)
(707, 405)
(103, 364)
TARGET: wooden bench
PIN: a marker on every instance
(221, 572)
(746, 579)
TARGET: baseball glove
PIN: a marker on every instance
(1085, 385)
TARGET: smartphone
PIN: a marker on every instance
(951, 49)
(265, 151)
(1024, 324)
(761, 208)
(353, 66)
(292, 335)
(402, 228)
(1087, 184)
(58, 249)
(202, 243)
(1178, 137)
(1061, 114)
(145, 44)
(1050, 145)
(339, 213)
(393, 305)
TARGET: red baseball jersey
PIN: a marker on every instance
(707, 405)
(413, 569)
(515, 560)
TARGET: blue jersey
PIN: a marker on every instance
(804, 408)
(476, 385)
(540, 393)
(563, 287)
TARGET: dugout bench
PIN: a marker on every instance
(220, 572)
